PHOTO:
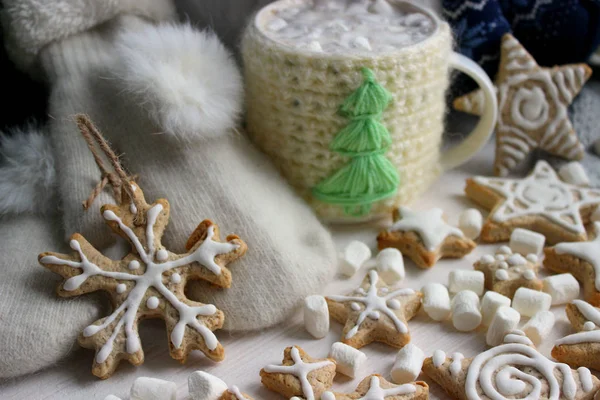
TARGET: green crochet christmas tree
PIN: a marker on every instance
(369, 176)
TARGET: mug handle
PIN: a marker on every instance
(461, 153)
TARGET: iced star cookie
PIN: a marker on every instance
(532, 107)
(424, 237)
(299, 375)
(506, 271)
(583, 348)
(149, 282)
(375, 387)
(375, 313)
(512, 370)
(582, 260)
(540, 202)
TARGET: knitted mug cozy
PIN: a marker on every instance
(293, 99)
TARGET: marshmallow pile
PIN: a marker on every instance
(343, 26)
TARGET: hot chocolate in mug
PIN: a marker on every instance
(303, 59)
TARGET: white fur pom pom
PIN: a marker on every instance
(185, 78)
(27, 174)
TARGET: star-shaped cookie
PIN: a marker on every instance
(506, 271)
(583, 348)
(424, 237)
(513, 370)
(533, 103)
(375, 387)
(540, 202)
(299, 375)
(582, 260)
(375, 313)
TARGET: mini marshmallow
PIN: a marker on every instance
(153, 389)
(465, 311)
(348, 359)
(526, 242)
(407, 367)
(436, 301)
(529, 302)
(490, 303)
(362, 42)
(353, 257)
(574, 173)
(111, 397)
(539, 326)
(204, 386)
(470, 222)
(505, 321)
(390, 265)
(460, 280)
(316, 316)
(563, 288)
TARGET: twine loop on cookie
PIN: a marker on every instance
(118, 179)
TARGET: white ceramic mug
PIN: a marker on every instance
(293, 97)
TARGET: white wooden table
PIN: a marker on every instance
(247, 353)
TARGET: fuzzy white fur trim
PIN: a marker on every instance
(27, 172)
(29, 25)
(186, 79)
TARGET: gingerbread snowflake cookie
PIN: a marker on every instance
(375, 312)
(583, 348)
(149, 282)
(506, 271)
(540, 202)
(533, 104)
(299, 375)
(375, 387)
(425, 237)
(512, 370)
(582, 260)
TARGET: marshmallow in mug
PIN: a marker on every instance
(343, 26)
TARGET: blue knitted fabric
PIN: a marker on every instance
(554, 31)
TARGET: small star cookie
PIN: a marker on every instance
(583, 348)
(299, 375)
(532, 107)
(582, 260)
(506, 271)
(513, 370)
(540, 202)
(424, 237)
(375, 387)
(374, 312)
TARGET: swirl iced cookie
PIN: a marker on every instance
(582, 260)
(513, 370)
(582, 348)
(299, 375)
(149, 282)
(375, 387)
(375, 312)
(424, 237)
(533, 103)
(540, 202)
(506, 271)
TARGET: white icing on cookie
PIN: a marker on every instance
(585, 376)
(518, 337)
(587, 251)
(541, 194)
(152, 302)
(125, 314)
(175, 278)
(456, 365)
(429, 225)
(121, 288)
(589, 326)
(501, 275)
(300, 370)
(376, 392)
(374, 303)
(496, 372)
(236, 392)
(589, 312)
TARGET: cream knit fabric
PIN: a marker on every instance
(293, 98)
